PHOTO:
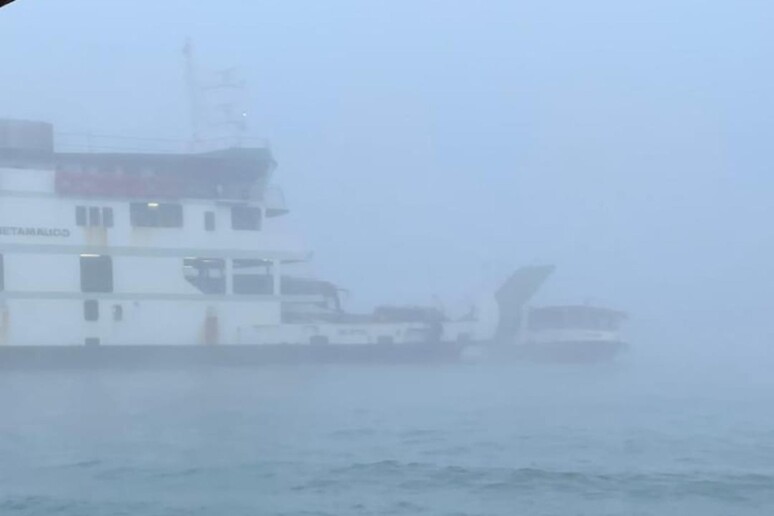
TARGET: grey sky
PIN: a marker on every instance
(421, 142)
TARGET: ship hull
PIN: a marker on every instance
(571, 351)
(150, 357)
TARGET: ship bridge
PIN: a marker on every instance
(144, 234)
(236, 174)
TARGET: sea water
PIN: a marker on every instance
(469, 439)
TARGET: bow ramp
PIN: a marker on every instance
(514, 294)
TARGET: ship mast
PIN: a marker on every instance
(216, 106)
(194, 95)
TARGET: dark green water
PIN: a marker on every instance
(457, 440)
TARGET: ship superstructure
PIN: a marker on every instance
(130, 250)
(572, 333)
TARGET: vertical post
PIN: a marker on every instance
(277, 275)
(228, 272)
(194, 95)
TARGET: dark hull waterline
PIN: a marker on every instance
(149, 357)
(571, 351)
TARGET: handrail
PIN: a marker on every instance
(88, 142)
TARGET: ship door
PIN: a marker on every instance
(96, 278)
(211, 328)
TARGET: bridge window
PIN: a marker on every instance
(93, 216)
(95, 219)
(156, 215)
(80, 215)
(2, 273)
(209, 221)
(206, 274)
(246, 218)
(253, 277)
(107, 217)
(96, 273)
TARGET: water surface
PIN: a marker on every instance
(454, 440)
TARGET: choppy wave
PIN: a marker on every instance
(424, 477)
(420, 488)
(334, 451)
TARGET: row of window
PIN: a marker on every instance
(93, 216)
(156, 215)
(250, 277)
(165, 215)
(208, 275)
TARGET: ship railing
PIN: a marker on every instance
(88, 143)
(74, 183)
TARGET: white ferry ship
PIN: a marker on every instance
(143, 259)
(572, 333)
